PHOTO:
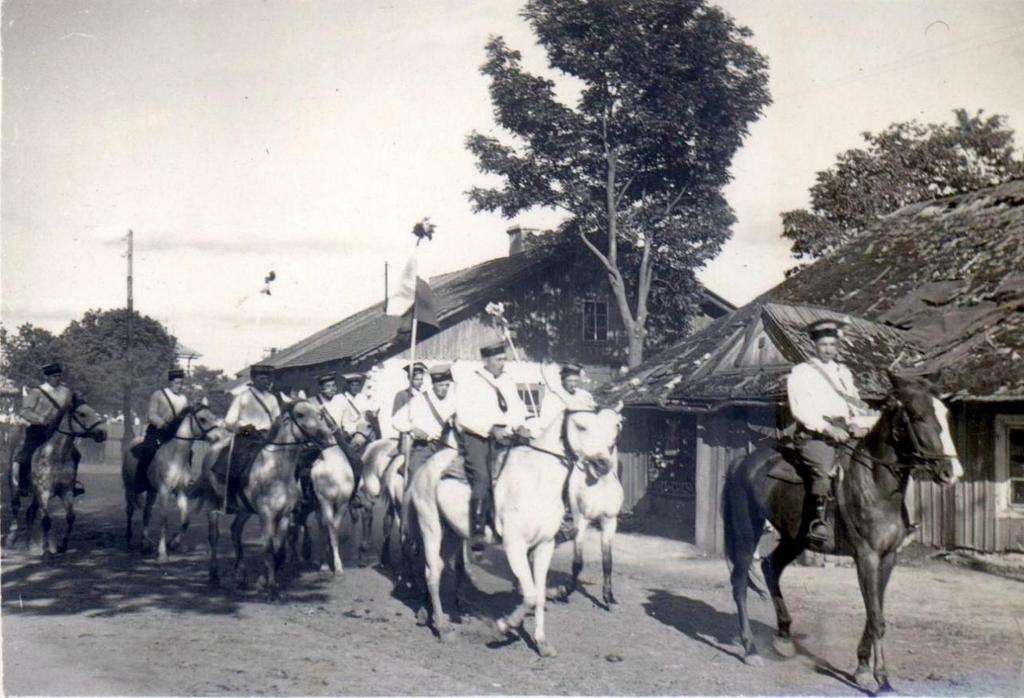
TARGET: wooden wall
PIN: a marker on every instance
(968, 514)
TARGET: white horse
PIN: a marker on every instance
(170, 473)
(591, 500)
(382, 466)
(333, 482)
(528, 508)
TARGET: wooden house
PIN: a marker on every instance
(939, 285)
(556, 298)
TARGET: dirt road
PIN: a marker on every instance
(100, 620)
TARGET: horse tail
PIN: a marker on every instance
(739, 523)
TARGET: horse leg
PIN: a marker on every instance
(47, 525)
(213, 534)
(772, 567)
(12, 533)
(739, 578)
(887, 563)
(609, 525)
(164, 497)
(275, 543)
(389, 525)
(868, 575)
(581, 523)
(35, 544)
(541, 563)
(367, 533)
(146, 546)
(68, 498)
(518, 560)
(332, 518)
(181, 499)
(237, 526)
(129, 514)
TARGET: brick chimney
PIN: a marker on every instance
(515, 241)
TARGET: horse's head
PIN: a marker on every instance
(85, 421)
(922, 431)
(309, 421)
(205, 421)
(591, 437)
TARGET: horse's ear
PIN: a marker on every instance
(284, 398)
(618, 406)
(301, 395)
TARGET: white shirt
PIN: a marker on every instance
(355, 419)
(556, 402)
(246, 409)
(416, 414)
(814, 396)
(477, 408)
(334, 407)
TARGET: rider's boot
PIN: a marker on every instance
(76, 457)
(819, 532)
(477, 524)
(568, 528)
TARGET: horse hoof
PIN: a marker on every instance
(546, 650)
(163, 559)
(213, 581)
(884, 687)
(865, 680)
(422, 617)
(753, 659)
(499, 630)
(784, 647)
(11, 538)
(36, 549)
(445, 633)
(62, 548)
(609, 600)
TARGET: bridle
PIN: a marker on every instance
(294, 422)
(569, 458)
(198, 426)
(72, 416)
(927, 461)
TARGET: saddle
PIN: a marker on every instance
(244, 454)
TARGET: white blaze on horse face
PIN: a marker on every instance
(594, 436)
(946, 437)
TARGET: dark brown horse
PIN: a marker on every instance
(912, 435)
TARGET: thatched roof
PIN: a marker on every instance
(949, 272)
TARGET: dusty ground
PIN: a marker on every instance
(100, 620)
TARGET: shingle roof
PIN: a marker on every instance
(370, 331)
(950, 272)
(747, 355)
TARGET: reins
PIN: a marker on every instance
(897, 467)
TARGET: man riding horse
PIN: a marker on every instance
(346, 421)
(251, 415)
(427, 420)
(42, 409)
(490, 414)
(167, 407)
(554, 405)
(824, 400)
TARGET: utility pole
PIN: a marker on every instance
(126, 405)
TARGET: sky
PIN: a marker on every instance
(235, 137)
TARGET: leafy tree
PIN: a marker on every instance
(97, 361)
(203, 382)
(906, 163)
(23, 353)
(669, 89)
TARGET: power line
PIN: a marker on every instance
(915, 59)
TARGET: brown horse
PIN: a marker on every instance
(912, 435)
(169, 474)
(270, 491)
(53, 473)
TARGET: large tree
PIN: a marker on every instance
(906, 163)
(668, 91)
(203, 382)
(23, 353)
(97, 358)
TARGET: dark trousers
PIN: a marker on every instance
(355, 459)
(246, 447)
(35, 436)
(478, 451)
(817, 458)
(420, 454)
